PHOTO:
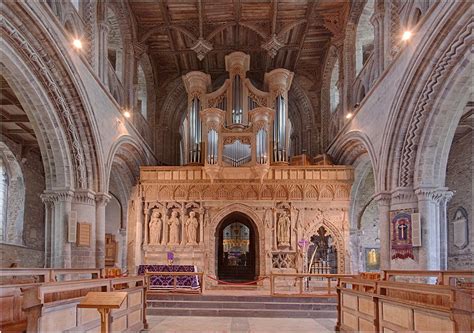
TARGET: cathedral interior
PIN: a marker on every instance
(292, 165)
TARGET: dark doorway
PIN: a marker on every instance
(236, 243)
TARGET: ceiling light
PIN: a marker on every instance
(127, 114)
(349, 115)
(77, 44)
(406, 35)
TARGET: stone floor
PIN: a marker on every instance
(161, 324)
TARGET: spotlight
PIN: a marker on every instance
(406, 35)
(127, 114)
(77, 44)
(349, 115)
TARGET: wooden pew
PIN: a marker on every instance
(53, 306)
(392, 306)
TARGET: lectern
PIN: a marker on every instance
(103, 302)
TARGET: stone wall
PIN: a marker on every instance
(459, 179)
(29, 251)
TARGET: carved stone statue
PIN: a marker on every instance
(283, 230)
(192, 226)
(173, 222)
(155, 227)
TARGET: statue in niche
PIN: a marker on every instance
(192, 226)
(173, 222)
(155, 227)
(283, 230)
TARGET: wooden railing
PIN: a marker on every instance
(386, 306)
(34, 275)
(176, 288)
(438, 277)
(304, 284)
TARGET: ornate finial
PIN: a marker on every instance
(272, 46)
(202, 47)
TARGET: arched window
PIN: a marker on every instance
(334, 88)
(3, 199)
(364, 36)
(115, 45)
(141, 92)
(12, 197)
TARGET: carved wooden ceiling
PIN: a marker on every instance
(293, 34)
(14, 122)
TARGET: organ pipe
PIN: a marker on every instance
(195, 132)
(237, 100)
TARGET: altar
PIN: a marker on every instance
(165, 282)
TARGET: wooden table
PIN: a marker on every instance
(103, 302)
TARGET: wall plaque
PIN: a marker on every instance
(83, 234)
(72, 224)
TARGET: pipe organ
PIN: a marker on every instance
(237, 125)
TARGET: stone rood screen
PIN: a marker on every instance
(236, 125)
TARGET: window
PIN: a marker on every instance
(334, 88)
(141, 93)
(364, 36)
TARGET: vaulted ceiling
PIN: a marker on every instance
(293, 34)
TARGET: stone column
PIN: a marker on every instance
(103, 61)
(383, 202)
(101, 200)
(377, 22)
(442, 197)
(60, 203)
(48, 225)
(139, 231)
(430, 251)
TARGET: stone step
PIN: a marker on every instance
(243, 298)
(241, 305)
(214, 312)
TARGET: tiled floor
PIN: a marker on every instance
(158, 324)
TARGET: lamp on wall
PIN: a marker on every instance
(126, 113)
(406, 35)
(77, 43)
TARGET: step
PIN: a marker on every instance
(241, 305)
(215, 312)
(232, 298)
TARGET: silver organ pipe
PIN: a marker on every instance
(237, 100)
(212, 147)
(195, 132)
(262, 146)
(279, 131)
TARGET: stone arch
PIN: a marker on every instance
(130, 155)
(60, 98)
(57, 158)
(338, 238)
(219, 217)
(351, 147)
(426, 79)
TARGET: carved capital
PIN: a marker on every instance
(49, 197)
(86, 197)
(383, 198)
(102, 198)
(403, 195)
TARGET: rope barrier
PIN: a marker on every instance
(238, 284)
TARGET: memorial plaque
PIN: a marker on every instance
(83, 234)
(72, 224)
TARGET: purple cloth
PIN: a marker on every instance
(166, 281)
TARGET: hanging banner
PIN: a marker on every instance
(401, 235)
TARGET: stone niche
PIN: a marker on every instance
(183, 210)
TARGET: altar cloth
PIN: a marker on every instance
(165, 282)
